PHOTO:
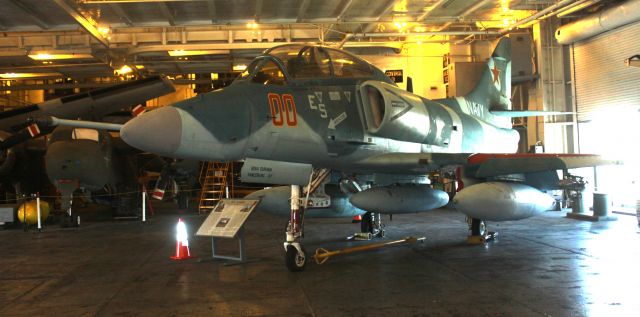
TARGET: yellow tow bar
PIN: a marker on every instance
(322, 255)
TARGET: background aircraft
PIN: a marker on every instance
(89, 159)
(16, 126)
(301, 111)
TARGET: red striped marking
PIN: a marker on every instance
(158, 194)
(138, 110)
(34, 130)
(481, 158)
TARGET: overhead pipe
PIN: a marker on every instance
(541, 13)
(395, 34)
(577, 7)
(592, 25)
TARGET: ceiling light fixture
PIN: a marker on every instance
(47, 56)
(125, 69)
(27, 75)
(178, 53)
(239, 67)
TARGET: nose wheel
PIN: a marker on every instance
(295, 258)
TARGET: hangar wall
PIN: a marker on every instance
(607, 100)
(423, 62)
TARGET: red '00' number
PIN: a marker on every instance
(283, 108)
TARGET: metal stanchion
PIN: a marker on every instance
(144, 204)
(38, 210)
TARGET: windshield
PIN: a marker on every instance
(268, 73)
(303, 61)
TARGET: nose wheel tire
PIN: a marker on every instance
(295, 259)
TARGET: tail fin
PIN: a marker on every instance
(493, 90)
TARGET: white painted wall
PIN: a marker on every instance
(423, 63)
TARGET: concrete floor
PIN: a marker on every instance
(544, 266)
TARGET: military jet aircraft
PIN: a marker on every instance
(105, 169)
(17, 128)
(89, 159)
(306, 114)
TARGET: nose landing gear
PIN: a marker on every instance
(295, 256)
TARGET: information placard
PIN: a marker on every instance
(227, 218)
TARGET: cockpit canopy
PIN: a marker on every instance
(69, 134)
(308, 62)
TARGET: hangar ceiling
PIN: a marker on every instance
(94, 38)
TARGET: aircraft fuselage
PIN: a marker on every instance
(318, 122)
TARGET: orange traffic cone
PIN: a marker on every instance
(182, 242)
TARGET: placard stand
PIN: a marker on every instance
(226, 221)
(241, 250)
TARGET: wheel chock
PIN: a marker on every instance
(476, 240)
(362, 236)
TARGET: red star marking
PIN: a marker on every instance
(496, 74)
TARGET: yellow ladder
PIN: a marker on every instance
(214, 181)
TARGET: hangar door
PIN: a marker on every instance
(607, 96)
(602, 80)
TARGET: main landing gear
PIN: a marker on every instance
(295, 255)
(370, 227)
(478, 233)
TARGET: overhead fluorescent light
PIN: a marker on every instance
(125, 69)
(27, 75)
(178, 53)
(47, 56)
(129, 1)
(239, 68)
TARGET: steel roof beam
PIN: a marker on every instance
(119, 11)
(346, 5)
(31, 14)
(465, 13)
(433, 8)
(211, 5)
(302, 10)
(258, 11)
(80, 19)
(343, 8)
(385, 9)
(166, 12)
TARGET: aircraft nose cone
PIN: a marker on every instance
(158, 131)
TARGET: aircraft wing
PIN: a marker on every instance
(410, 163)
(502, 164)
(484, 165)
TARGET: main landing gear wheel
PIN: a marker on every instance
(478, 233)
(478, 227)
(295, 259)
(366, 224)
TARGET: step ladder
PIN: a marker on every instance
(214, 179)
